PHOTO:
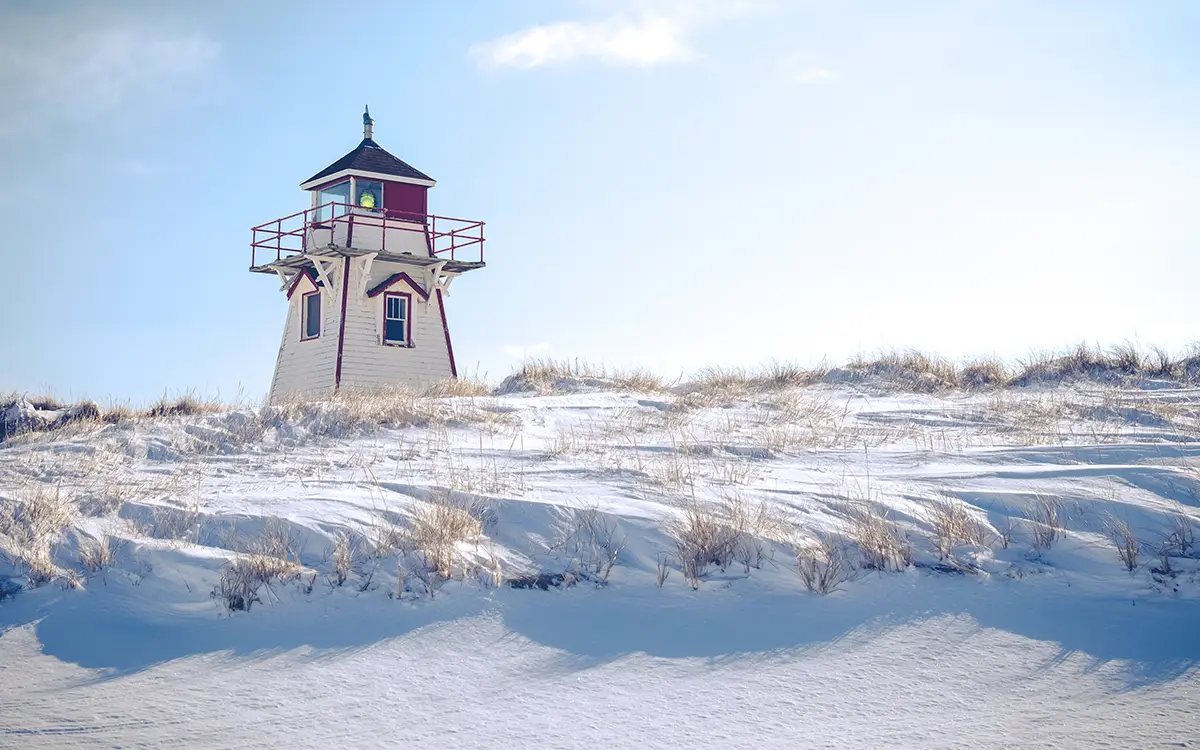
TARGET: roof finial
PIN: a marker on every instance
(368, 124)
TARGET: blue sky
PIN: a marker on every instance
(667, 183)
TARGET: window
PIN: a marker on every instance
(336, 194)
(395, 319)
(310, 316)
(368, 194)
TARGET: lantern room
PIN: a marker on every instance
(370, 178)
(368, 201)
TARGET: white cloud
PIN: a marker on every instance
(79, 67)
(644, 42)
(652, 32)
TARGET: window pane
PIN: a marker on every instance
(370, 194)
(339, 193)
(397, 308)
(312, 316)
(394, 331)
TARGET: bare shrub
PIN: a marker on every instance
(593, 539)
(97, 554)
(1046, 521)
(1180, 539)
(1005, 532)
(881, 543)
(701, 539)
(1126, 542)
(243, 578)
(823, 564)
(663, 567)
(439, 525)
(706, 536)
(953, 525)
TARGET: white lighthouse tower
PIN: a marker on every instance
(366, 269)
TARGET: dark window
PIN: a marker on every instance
(369, 193)
(395, 319)
(310, 311)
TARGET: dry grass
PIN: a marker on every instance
(186, 405)
(246, 577)
(31, 523)
(458, 387)
(592, 539)
(719, 534)
(546, 376)
(984, 373)
(1128, 546)
(953, 525)
(96, 555)
(1180, 538)
(345, 553)
(439, 525)
(882, 544)
(1046, 521)
(823, 564)
(278, 540)
(722, 386)
(353, 412)
(908, 370)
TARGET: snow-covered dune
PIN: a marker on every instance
(1012, 568)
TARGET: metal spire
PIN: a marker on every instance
(368, 124)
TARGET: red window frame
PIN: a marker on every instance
(304, 315)
(408, 316)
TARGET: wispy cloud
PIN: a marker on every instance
(816, 75)
(647, 33)
(643, 42)
(62, 66)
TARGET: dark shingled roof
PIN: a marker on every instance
(369, 157)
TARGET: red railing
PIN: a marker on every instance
(445, 237)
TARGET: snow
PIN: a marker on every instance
(1062, 647)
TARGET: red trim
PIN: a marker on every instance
(446, 328)
(311, 274)
(345, 292)
(394, 278)
(291, 235)
(408, 316)
(331, 183)
(304, 315)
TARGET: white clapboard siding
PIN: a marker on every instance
(367, 363)
(306, 367)
(364, 229)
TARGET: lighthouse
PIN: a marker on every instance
(366, 270)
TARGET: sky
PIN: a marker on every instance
(667, 184)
